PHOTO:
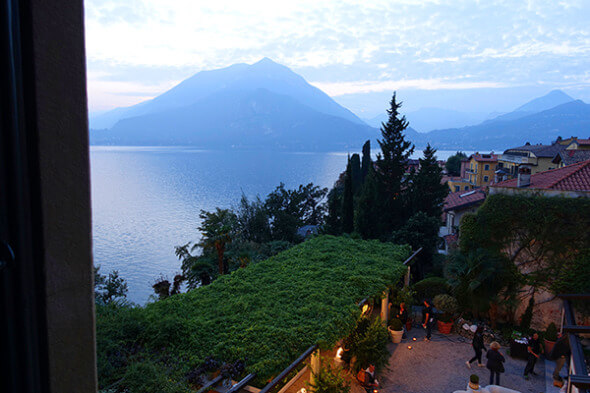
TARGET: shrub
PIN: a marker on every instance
(404, 295)
(329, 380)
(430, 287)
(395, 324)
(551, 332)
(474, 378)
(370, 346)
(151, 377)
(446, 303)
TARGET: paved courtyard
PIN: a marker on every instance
(439, 366)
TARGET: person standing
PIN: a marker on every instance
(560, 352)
(495, 362)
(478, 346)
(403, 316)
(534, 352)
(428, 319)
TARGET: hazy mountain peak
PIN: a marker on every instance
(548, 101)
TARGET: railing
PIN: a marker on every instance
(577, 377)
(289, 368)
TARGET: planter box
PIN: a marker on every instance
(444, 327)
(548, 347)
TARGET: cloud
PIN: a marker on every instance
(343, 45)
(342, 88)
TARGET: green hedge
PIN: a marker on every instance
(429, 288)
(267, 313)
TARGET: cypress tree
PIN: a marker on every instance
(333, 225)
(428, 193)
(391, 168)
(355, 167)
(366, 161)
(348, 201)
(368, 212)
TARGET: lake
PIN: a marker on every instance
(146, 200)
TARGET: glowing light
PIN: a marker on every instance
(365, 308)
(409, 347)
(302, 390)
(339, 353)
(414, 339)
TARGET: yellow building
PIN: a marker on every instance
(476, 171)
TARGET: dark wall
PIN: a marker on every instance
(62, 124)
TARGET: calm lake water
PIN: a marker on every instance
(147, 200)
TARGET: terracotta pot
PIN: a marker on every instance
(548, 347)
(396, 335)
(444, 327)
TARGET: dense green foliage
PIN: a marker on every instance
(253, 231)
(109, 288)
(267, 313)
(453, 164)
(329, 379)
(551, 332)
(348, 201)
(478, 277)
(430, 287)
(427, 192)
(391, 169)
(368, 344)
(547, 237)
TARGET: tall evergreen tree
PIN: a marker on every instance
(355, 168)
(368, 212)
(428, 192)
(366, 162)
(348, 201)
(333, 224)
(391, 168)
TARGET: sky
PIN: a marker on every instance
(474, 56)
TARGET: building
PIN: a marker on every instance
(571, 181)
(568, 157)
(537, 158)
(455, 206)
(476, 171)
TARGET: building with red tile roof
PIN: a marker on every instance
(569, 181)
(455, 206)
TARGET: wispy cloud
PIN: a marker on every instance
(342, 45)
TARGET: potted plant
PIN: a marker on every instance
(395, 330)
(448, 305)
(550, 338)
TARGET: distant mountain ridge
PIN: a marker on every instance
(265, 74)
(568, 119)
(263, 105)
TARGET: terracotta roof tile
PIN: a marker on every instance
(463, 199)
(481, 158)
(574, 177)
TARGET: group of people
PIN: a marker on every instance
(495, 359)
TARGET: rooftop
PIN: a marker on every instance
(462, 199)
(575, 177)
(569, 157)
(484, 157)
(539, 150)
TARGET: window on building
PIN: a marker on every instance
(457, 188)
(486, 167)
(466, 188)
(486, 178)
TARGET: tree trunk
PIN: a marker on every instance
(220, 247)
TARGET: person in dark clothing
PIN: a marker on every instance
(495, 362)
(534, 352)
(403, 316)
(370, 381)
(560, 352)
(428, 319)
(478, 346)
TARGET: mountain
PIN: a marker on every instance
(548, 101)
(264, 74)
(570, 118)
